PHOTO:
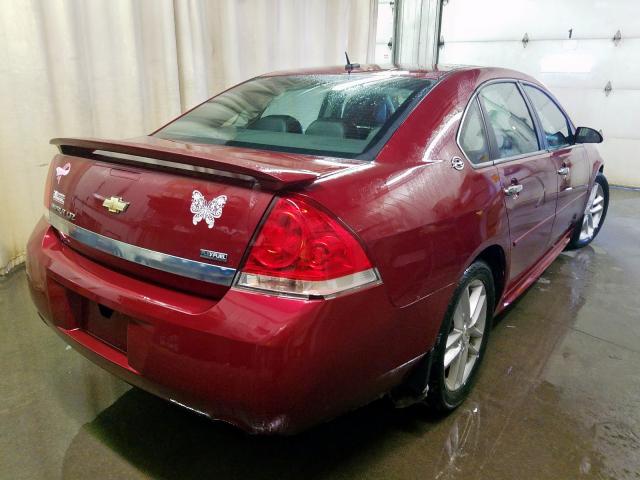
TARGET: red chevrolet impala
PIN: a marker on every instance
(308, 241)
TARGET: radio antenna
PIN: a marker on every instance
(350, 66)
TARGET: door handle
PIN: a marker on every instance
(513, 190)
(564, 171)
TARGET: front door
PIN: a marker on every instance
(568, 160)
(573, 183)
(529, 179)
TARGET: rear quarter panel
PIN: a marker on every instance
(422, 222)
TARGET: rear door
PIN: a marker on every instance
(528, 178)
(569, 160)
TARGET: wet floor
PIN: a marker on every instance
(558, 398)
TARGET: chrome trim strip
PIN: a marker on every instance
(205, 272)
(321, 289)
(520, 156)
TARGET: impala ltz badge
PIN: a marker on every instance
(63, 171)
(63, 212)
(115, 204)
(207, 211)
(212, 255)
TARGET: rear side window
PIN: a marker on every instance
(509, 120)
(554, 123)
(473, 140)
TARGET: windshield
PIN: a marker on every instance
(338, 115)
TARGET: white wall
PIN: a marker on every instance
(490, 32)
(121, 68)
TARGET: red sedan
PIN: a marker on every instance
(308, 241)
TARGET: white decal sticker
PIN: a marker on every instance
(63, 171)
(59, 197)
(208, 211)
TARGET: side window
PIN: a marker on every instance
(554, 123)
(472, 137)
(509, 119)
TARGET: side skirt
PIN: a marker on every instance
(534, 272)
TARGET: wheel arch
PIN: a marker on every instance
(414, 387)
(495, 257)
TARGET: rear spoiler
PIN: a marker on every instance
(275, 171)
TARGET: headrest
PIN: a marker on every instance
(277, 123)
(373, 111)
(326, 128)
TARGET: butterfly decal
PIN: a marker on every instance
(63, 171)
(207, 211)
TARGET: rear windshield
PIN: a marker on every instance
(337, 115)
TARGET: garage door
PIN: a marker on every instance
(568, 45)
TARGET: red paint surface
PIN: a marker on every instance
(275, 364)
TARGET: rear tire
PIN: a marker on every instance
(594, 214)
(463, 337)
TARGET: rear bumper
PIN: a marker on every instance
(261, 362)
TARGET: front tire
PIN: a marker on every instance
(462, 340)
(594, 213)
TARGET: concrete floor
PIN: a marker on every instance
(558, 398)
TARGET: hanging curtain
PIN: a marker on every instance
(121, 68)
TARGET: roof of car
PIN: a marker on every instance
(437, 73)
(367, 68)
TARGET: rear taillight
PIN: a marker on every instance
(301, 250)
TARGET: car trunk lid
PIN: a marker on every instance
(176, 214)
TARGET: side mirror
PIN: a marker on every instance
(587, 135)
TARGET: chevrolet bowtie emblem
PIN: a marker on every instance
(115, 204)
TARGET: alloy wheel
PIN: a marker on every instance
(592, 213)
(465, 338)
